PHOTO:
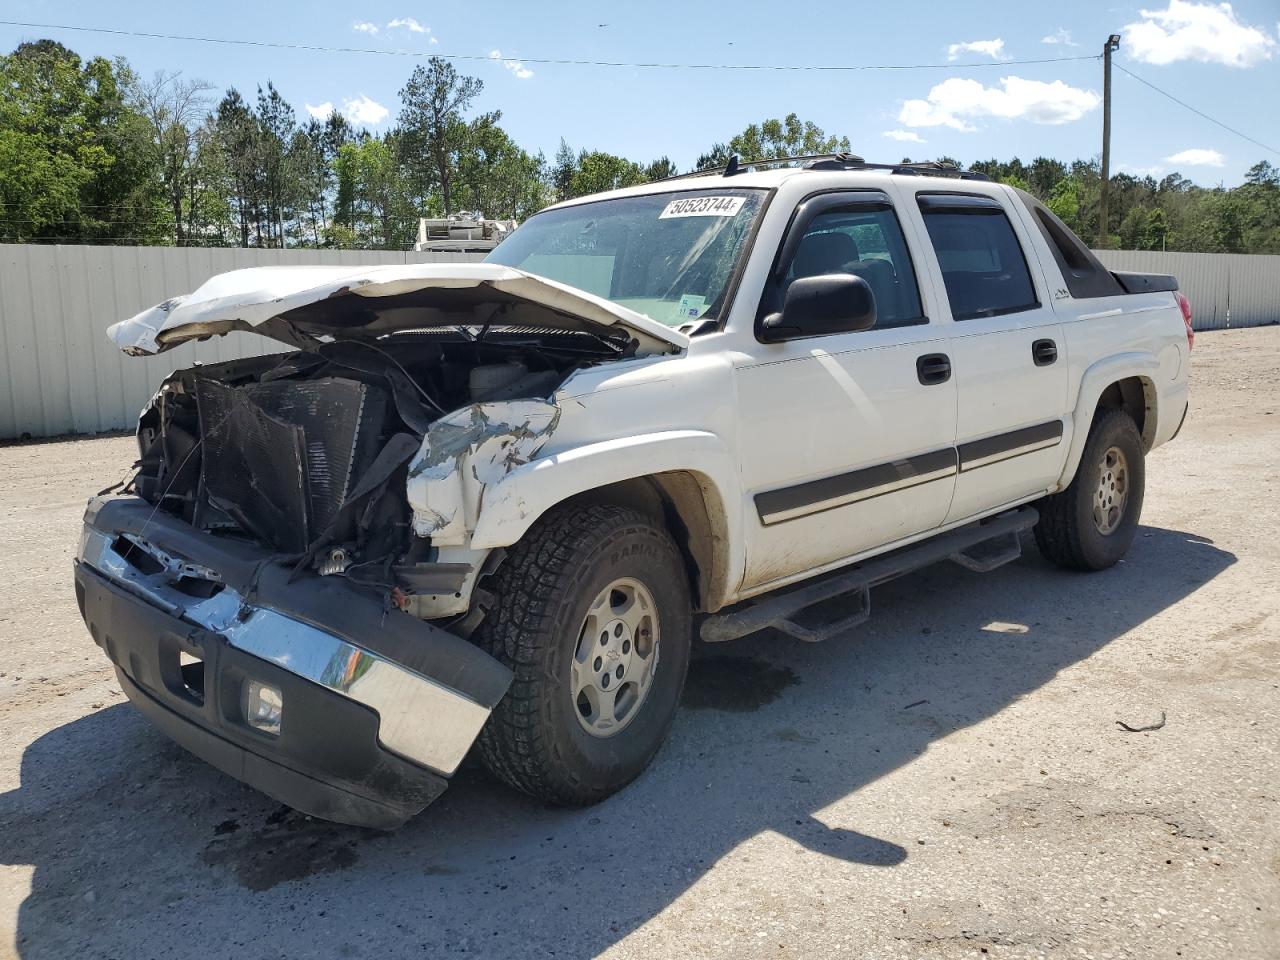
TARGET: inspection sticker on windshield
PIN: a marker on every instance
(692, 306)
(703, 207)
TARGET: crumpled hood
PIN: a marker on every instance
(298, 305)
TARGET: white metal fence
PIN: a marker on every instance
(1225, 289)
(62, 375)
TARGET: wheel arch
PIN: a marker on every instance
(1125, 381)
(686, 479)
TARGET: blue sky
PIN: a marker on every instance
(1223, 59)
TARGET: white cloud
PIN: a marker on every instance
(363, 111)
(988, 48)
(1156, 171)
(320, 112)
(517, 67)
(363, 26)
(1197, 157)
(408, 23)
(1208, 32)
(908, 136)
(956, 101)
(1061, 36)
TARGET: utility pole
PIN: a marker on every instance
(1113, 43)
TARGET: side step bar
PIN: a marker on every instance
(980, 547)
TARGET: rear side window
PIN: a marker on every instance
(1083, 273)
(863, 239)
(982, 262)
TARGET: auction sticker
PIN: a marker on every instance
(703, 207)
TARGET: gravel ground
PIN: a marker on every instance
(948, 781)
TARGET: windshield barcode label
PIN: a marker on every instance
(702, 207)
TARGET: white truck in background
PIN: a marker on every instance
(496, 501)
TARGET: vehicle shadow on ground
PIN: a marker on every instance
(139, 849)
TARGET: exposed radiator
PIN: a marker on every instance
(279, 458)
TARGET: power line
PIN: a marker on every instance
(1200, 113)
(550, 61)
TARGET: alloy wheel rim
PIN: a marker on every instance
(616, 657)
(1113, 491)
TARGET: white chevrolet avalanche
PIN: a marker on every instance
(493, 503)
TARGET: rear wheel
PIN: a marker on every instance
(594, 617)
(1090, 524)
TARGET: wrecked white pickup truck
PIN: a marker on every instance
(483, 502)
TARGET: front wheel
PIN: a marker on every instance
(1090, 524)
(594, 617)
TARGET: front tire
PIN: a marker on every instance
(594, 617)
(1090, 524)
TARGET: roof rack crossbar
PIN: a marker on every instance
(832, 161)
(931, 168)
(737, 165)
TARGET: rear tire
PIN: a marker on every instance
(1090, 524)
(594, 617)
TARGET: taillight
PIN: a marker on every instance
(1185, 304)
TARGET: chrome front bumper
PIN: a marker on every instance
(431, 692)
(421, 720)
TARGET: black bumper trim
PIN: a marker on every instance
(326, 761)
(309, 795)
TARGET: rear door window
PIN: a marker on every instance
(983, 266)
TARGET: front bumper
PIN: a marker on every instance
(379, 708)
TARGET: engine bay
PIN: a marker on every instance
(307, 453)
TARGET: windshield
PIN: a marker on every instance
(669, 256)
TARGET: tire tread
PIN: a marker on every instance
(1059, 533)
(530, 588)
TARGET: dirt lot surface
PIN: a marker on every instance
(948, 781)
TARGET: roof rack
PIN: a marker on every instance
(833, 161)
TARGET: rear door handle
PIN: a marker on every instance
(933, 368)
(1044, 352)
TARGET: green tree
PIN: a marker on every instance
(435, 133)
(173, 108)
(1064, 200)
(500, 179)
(598, 171)
(1133, 229)
(1044, 174)
(73, 158)
(1156, 232)
(375, 210)
(660, 169)
(562, 170)
(279, 174)
(773, 138)
(239, 142)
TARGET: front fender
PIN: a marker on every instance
(510, 506)
(1096, 379)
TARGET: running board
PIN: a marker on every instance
(981, 547)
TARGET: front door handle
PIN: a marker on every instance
(1044, 352)
(933, 368)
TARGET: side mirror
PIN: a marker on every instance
(830, 303)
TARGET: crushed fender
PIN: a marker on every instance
(465, 452)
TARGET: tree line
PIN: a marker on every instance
(92, 152)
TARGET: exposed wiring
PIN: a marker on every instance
(408, 376)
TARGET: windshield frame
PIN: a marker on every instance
(707, 323)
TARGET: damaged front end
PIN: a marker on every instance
(285, 587)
